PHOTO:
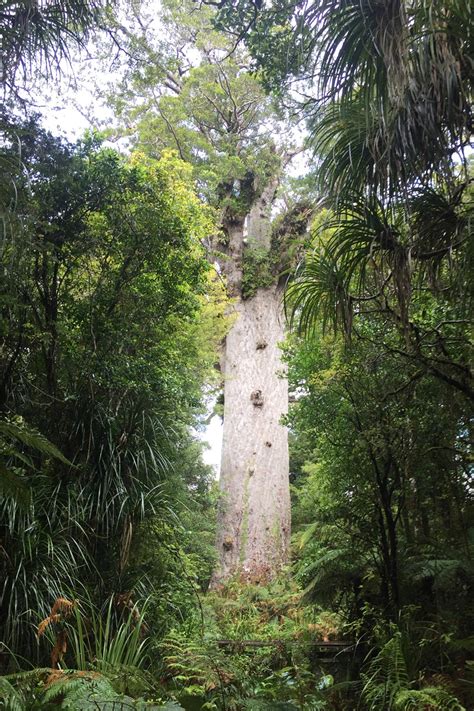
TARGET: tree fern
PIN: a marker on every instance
(329, 569)
(445, 570)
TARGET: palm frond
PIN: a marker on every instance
(396, 87)
(319, 292)
(342, 137)
(349, 37)
(41, 32)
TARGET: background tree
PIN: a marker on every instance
(105, 282)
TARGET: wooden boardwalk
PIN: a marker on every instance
(328, 647)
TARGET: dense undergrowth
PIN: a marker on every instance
(245, 647)
(209, 663)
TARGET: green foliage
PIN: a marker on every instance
(70, 690)
(10, 698)
(380, 423)
(234, 673)
(108, 324)
(20, 691)
(20, 432)
(387, 683)
(13, 432)
(198, 669)
(187, 87)
(244, 679)
(211, 109)
(108, 643)
(254, 612)
(381, 502)
(377, 440)
(360, 257)
(262, 267)
(397, 68)
(289, 237)
(256, 270)
(398, 238)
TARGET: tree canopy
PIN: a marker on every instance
(107, 284)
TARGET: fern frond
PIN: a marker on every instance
(387, 684)
(387, 675)
(308, 533)
(431, 697)
(79, 690)
(28, 436)
(10, 698)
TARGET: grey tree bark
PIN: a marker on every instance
(254, 516)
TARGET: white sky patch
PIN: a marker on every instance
(212, 436)
(70, 106)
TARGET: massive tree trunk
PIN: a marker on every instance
(254, 516)
(254, 520)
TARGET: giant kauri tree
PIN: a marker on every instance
(216, 115)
